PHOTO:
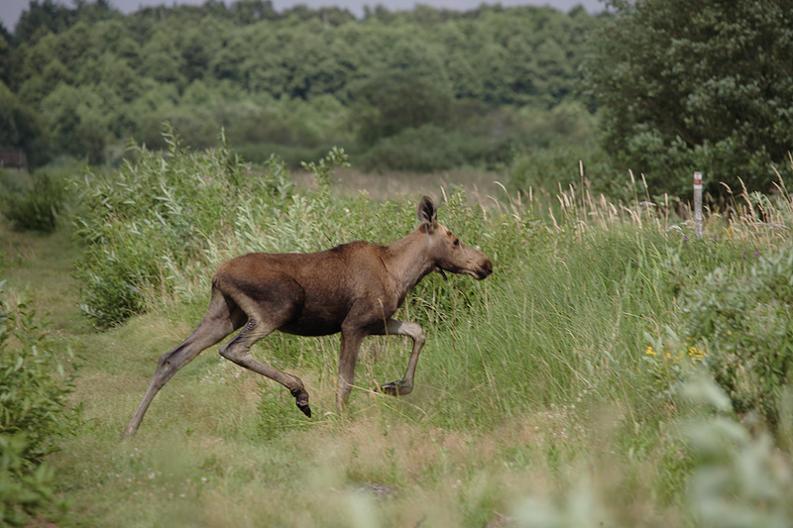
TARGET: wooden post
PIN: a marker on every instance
(698, 203)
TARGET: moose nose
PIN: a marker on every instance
(485, 269)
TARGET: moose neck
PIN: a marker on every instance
(408, 261)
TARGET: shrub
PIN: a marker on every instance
(431, 148)
(25, 493)
(34, 385)
(160, 213)
(35, 381)
(737, 478)
(427, 148)
(549, 168)
(742, 314)
(33, 204)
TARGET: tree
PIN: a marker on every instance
(251, 11)
(41, 18)
(697, 85)
(18, 123)
(5, 55)
(79, 120)
(408, 89)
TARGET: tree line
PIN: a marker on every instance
(662, 87)
(82, 80)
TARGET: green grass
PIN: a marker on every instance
(535, 403)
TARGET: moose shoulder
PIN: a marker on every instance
(354, 289)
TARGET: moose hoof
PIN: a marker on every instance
(397, 388)
(301, 400)
(304, 408)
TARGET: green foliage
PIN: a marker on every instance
(35, 381)
(323, 168)
(299, 78)
(160, 211)
(292, 156)
(428, 148)
(477, 135)
(47, 16)
(35, 378)
(32, 202)
(742, 314)
(19, 124)
(79, 120)
(694, 86)
(553, 168)
(408, 90)
(738, 478)
(25, 493)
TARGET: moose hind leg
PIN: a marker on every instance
(238, 351)
(414, 331)
(221, 319)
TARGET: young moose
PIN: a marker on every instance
(354, 289)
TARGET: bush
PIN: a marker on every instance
(743, 315)
(427, 148)
(738, 477)
(159, 213)
(35, 382)
(25, 493)
(549, 168)
(33, 204)
(431, 148)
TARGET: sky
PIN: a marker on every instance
(11, 9)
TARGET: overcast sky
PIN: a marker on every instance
(11, 9)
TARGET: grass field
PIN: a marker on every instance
(547, 395)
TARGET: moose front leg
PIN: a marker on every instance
(414, 331)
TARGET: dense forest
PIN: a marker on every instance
(83, 80)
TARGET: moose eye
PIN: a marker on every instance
(456, 242)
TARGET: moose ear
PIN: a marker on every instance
(426, 212)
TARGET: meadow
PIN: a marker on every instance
(613, 371)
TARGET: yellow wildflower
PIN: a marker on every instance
(696, 353)
(649, 351)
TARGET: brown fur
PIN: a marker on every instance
(354, 289)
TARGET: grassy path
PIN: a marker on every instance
(39, 266)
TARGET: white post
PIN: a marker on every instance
(698, 203)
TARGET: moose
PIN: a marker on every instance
(354, 289)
